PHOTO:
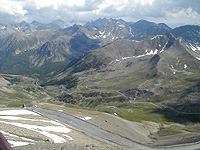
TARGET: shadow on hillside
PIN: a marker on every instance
(184, 113)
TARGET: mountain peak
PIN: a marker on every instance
(144, 22)
(34, 22)
(58, 21)
(102, 21)
(23, 23)
(76, 26)
(97, 23)
(144, 28)
(163, 25)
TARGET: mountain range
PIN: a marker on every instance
(6, 28)
(107, 61)
(40, 44)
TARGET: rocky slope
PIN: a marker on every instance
(158, 70)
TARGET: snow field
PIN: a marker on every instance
(55, 131)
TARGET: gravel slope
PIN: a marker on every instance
(77, 138)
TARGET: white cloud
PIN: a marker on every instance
(72, 3)
(184, 17)
(56, 4)
(12, 7)
(145, 2)
(167, 11)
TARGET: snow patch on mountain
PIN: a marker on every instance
(18, 143)
(124, 58)
(147, 53)
(17, 112)
(185, 66)
(54, 130)
(194, 48)
(198, 58)
(137, 41)
(118, 60)
(86, 118)
(164, 47)
(156, 37)
(101, 32)
(122, 25)
(18, 29)
(2, 27)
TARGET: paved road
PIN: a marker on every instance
(98, 132)
(90, 128)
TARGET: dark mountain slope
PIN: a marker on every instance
(63, 49)
(120, 50)
(112, 29)
(143, 28)
(42, 48)
(109, 29)
(14, 46)
(20, 42)
(191, 34)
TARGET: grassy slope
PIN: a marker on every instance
(171, 92)
(18, 90)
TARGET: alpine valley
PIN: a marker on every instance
(140, 71)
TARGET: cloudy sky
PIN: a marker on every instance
(172, 12)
